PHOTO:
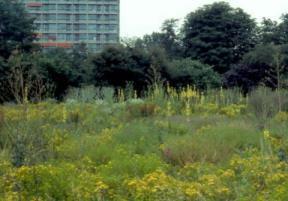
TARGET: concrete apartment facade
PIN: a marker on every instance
(62, 23)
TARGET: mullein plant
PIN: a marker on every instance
(169, 110)
(25, 95)
(221, 98)
(135, 95)
(172, 92)
(187, 111)
(189, 96)
(121, 96)
(202, 98)
(64, 114)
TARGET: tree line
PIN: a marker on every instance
(217, 45)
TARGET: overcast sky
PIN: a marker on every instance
(139, 17)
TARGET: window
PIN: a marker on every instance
(61, 37)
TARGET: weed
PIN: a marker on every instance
(141, 110)
(214, 144)
(1, 118)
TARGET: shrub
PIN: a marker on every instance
(85, 94)
(27, 143)
(130, 166)
(211, 144)
(264, 103)
(141, 110)
(233, 110)
(74, 117)
(190, 72)
(47, 182)
(281, 116)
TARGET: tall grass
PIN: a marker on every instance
(90, 94)
(212, 144)
(264, 104)
(1, 118)
(26, 143)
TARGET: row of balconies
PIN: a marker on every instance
(92, 46)
(71, 12)
(76, 32)
(76, 22)
(35, 3)
(85, 41)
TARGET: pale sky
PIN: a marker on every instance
(139, 17)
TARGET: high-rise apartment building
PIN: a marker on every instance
(62, 23)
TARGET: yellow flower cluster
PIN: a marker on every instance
(152, 186)
(189, 92)
(158, 185)
(264, 175)
(282, 117)
(106, 135)
(172, 92)
(232, 110)
(25, 182)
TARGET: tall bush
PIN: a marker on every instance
(190, 72)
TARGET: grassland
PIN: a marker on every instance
(171, 145)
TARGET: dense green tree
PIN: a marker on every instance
(218, 35)
(268, 32)
(16, 37)
(156, 72)
(266, 64)
(79, 63)
(22, 79)
(119, 66)
(190, 72)
(56, 66)
(245, 76)
(274, 32)
(16, 28)
(56, 69)
(116, 66)
(282, 31)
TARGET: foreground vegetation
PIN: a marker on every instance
(171, 145)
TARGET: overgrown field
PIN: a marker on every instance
(172, 145)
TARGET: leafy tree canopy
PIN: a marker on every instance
(218, 35)
(266, 64)
(190, 72)
(119, 66)
(16, 28)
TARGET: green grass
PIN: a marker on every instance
(212, 143)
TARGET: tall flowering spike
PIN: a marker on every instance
(64, 114)
(121, 97)
(202, 98)
(240, 98)
(25, 98)
(169, 89)
(221, 94)
(156, 91)
(247, 100)
(169, 109)
(188, 93)
(187, 108)
(266, 134)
